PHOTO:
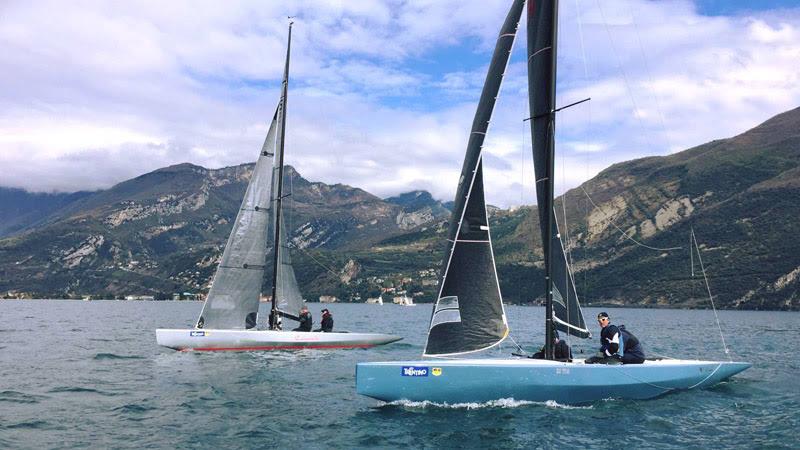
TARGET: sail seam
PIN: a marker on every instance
(540, 51)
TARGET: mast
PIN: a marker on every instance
(542, 46)
(279, 193)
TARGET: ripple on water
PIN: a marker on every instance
(28, 425)
(79, 390)
(20, 397)
(102, 356)
(133, 408)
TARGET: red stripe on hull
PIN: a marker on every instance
(279, 347)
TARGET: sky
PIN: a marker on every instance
(381, 92)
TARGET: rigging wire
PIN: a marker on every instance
(625, 233)
(710, 297)
(333, 272)
(589, 112)
(625, 77)
(515, 343)
(652, 83)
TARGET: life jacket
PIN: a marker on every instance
(627, 340)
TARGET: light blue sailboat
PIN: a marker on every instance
(469, 316)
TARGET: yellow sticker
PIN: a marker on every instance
(436, 371)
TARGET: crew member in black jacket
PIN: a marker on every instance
(617, 345)
(561, 351)
(305, 319)
(327, 321)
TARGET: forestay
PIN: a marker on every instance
(232, 301)
(567, 313)
(468, 315)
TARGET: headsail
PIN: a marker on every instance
(469, 315)
(542, 29)
(288, 296)
(232, 302)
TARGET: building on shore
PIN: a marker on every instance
(375, 301)
(139, 297)
(403, 300)
(328, 299)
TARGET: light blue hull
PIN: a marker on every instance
(481, 380)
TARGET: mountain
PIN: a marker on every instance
(629, 227)
(20, 210)
(419, 207)
(163, 232)
(416, 200)
(627, 231)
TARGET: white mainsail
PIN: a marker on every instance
(232, 301)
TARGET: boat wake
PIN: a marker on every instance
(500, 403)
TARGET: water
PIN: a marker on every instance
(89, 375)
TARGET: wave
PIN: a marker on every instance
(500, 403)
(133, 408)
(101, 356)
(30, 424)
(77, 389)
(19, 397)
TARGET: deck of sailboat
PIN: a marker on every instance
(248, 340)
(480, 380)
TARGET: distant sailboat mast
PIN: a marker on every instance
(279, 192)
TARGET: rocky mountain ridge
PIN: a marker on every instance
(627, 233)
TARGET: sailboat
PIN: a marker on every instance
(230, 313)
(469, 316)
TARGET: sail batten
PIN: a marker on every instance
(468, 315)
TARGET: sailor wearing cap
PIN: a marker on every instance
(617, 345)
(327, 321)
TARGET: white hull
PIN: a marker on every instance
(243, 340)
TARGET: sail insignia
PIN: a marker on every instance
(445, 311)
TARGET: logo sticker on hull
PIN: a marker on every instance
(414, 371)
(436, 371)
(197, 333)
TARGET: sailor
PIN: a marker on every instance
(617, 345)
(305, 320)
(277, 320)
(561, 351)
(327, 321)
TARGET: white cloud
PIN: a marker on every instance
(95, 93)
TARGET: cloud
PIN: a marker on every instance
(382, 93)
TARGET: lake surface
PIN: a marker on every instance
(89, 375)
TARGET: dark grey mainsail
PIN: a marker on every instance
(563, 308)
(232, 302)
(469, 315)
